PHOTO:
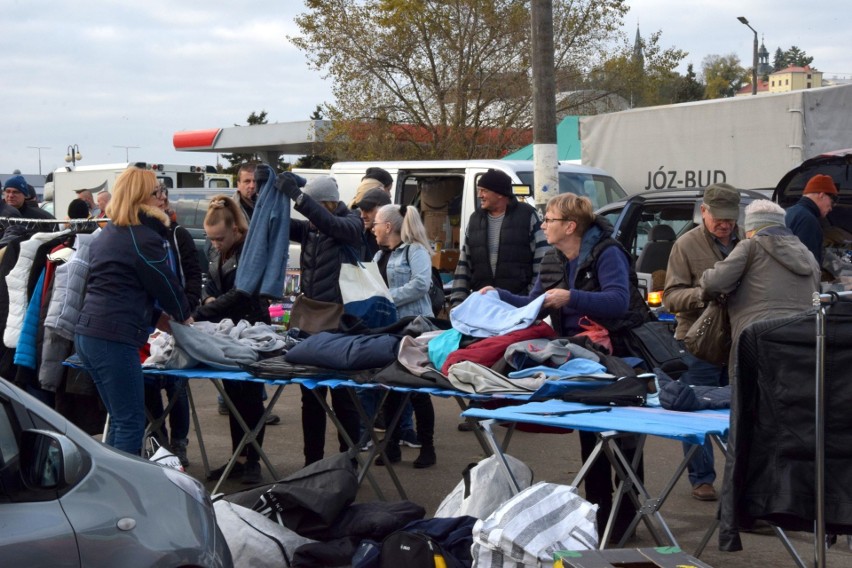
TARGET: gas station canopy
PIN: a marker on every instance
(269, 140)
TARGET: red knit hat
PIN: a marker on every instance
(820, 183)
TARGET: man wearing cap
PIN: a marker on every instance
(504, 243)
(102, 197)
(17, 194)
(692, 254)
(803, 218)
(368, 206)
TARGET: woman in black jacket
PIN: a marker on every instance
(131, 287)
(226, 228)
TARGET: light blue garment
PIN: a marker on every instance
(486, 315)
(264, 259)
(578, 367)
(26, 353)
(441, 346)
(409, 273)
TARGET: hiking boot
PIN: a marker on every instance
(426, 458)
(409, 438)
(251, 474)
(466, 426)
(236, 472)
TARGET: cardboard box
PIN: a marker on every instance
(446, 260)
(660, 557)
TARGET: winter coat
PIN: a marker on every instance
(691, 255)
(769, 275)
(230, 303)
(409, 272)
(188, 268)
(129, 273)
(323, 237)
(803, 219)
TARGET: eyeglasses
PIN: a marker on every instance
(552, 219)
(833, 197)
(158, 193)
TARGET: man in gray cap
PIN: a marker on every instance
(368, 206)
(501, 229)
(692, 254)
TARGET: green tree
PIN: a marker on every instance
(797, 58)
(440, 78)
(723, 75)
(779, 60)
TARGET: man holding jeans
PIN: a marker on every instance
(692, 254)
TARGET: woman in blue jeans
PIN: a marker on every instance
(131, 288)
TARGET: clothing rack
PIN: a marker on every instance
(27, 221)
(821, 302)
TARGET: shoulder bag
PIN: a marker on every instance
(709, 338)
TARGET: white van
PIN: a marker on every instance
(445, 191)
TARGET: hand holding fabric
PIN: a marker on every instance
(288, 184)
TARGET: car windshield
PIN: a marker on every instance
(601, 189)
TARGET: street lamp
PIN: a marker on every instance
(744, 21)
(39, 148)
(73, 154)
(126, 151)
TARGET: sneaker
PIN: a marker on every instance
(379, 424)
(223, 409)
(236, 471)
(426, 458)
(179, 450)
(251, 474)
(366, 447)
(409, 438)
(704, 492)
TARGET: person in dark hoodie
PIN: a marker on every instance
(226, 228)
(132, 286)
(330, 227)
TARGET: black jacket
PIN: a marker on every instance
(128, 272)
(323, 237)
(189, 269)
(230, 303)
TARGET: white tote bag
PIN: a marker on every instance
(366, 295)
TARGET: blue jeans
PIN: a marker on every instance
(178, 416)
(370, 400)
(701, 373)
(117, 372)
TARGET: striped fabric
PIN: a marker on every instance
(527, 529)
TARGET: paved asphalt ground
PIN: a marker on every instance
(553, 457)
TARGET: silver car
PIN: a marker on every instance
(68, 500)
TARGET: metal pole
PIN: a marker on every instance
(545, 157)
(39, 148)
(819, 436)
(744, 21)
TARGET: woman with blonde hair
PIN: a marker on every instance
(226, 228)
(131, 287)
(405, 263)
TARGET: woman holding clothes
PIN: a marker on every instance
(770, 274)
(226, 227)
(330, 227)
(588, 273)
(404, 261)
(131, 287)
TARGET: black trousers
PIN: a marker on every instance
(314, 419)
(424, 414)
(599, 483)
(248, 400)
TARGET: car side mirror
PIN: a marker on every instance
(49, 461)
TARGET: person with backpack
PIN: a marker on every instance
(405, 263)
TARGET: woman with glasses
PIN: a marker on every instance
(132, 286)
(588, 273)
(405, 262)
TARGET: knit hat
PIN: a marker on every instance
(366, 185)
(496, 181)
(820, 183)
(763, 213)
(375, 197)
(379, 174)
(723, 201)
(323, 188)
(19, 183)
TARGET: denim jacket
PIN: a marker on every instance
(409, 277)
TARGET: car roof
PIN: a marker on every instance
(675, 195)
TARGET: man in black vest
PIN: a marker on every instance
(503, 244)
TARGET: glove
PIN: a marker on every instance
(288, 184)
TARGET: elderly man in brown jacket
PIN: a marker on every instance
(692, 254)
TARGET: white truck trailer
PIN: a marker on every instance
(749, 142)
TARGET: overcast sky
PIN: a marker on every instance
(102, 74)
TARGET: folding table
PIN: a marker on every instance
(610, 423)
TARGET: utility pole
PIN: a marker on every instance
(39, 148)
(545, 157)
